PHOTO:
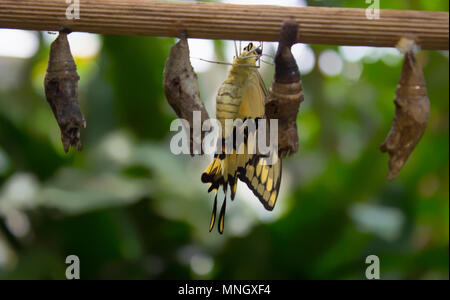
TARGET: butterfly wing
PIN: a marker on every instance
(253, 97)
(263, 180)
(251, 107)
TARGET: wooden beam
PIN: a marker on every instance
(318, 25)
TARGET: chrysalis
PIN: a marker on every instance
(180, 87)
(286, 94)
(412, 108)
(61, 91)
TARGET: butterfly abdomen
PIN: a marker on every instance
(228, 102)
(229, 96)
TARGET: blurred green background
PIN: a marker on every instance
(129, 209)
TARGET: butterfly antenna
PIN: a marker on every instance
(224, 63)
(213, 62)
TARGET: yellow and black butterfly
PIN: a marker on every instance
(242, 96)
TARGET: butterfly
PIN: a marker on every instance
(242, 96)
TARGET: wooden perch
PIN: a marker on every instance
(320, 25)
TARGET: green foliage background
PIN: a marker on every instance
(132, 210)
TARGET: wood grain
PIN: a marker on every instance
(318, 25)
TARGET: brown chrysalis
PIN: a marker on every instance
(61, 91)
(285, 93)
(180, 87)
(412, 109)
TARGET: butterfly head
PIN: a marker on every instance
(250, 55)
